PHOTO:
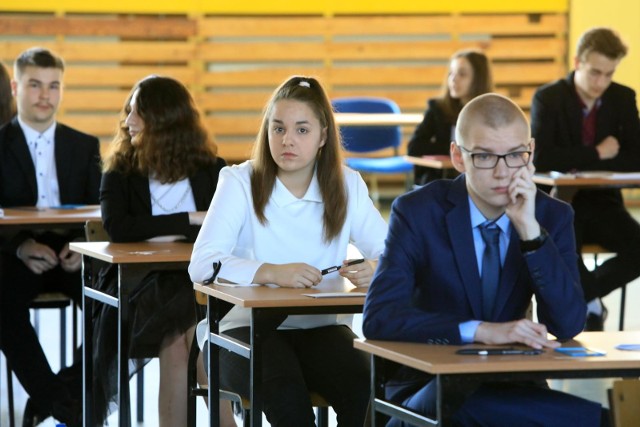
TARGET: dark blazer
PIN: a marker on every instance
(77, 157)
(427, 281)
(126, 205)
(431, 137)
(556, 125)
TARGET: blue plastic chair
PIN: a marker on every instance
(368, 139)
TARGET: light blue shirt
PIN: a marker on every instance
(468, 328)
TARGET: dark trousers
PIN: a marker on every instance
(601, 218)
(302, 360)
(18, 339)
(502, 404)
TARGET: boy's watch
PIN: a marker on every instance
(534, 244)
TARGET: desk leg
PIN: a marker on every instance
(213, 361)
(88, 276)
(255, 384)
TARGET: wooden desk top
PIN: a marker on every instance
(264, 296)
(588, 179)
(441, 359)
(35, 216)
(378, 119)
(135, 253)
(436, 162)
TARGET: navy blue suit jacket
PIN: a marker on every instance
(427, 280)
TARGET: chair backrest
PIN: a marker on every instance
(364, 139)
(94, 231)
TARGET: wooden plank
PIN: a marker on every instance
(108, 51)
(527, 73)
(259, 76)
(532, 48)
(130, 26)
(235, 152)
(94, 100)
(126, 77)
(391, 25)
(387, 75)
(236, 125)
(233, 100)
(100, 125)
(255, 26)
(510, 24)
(267, 51)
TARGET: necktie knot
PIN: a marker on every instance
(491, 236)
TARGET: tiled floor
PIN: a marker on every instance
(591, 389)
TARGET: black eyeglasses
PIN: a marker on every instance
(516, 159)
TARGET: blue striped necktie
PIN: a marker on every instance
(491, 267)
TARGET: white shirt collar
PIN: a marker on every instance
(32, 135)
(478, 219)
(282, 196)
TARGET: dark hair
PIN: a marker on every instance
(482, 82)
(601, 40)
(7, 104)
(173, 143)
(328, 162)
(36, 57)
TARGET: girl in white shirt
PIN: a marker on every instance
(278, 219)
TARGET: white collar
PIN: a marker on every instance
(281, 195)
(31, 134)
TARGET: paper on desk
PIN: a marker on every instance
(235, 285)
(336, 294)
(1, 212)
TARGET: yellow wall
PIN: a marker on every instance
(287, 6)
(624, 17)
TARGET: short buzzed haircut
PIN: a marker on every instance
(601, 40)
(36, 57)
(491, 109)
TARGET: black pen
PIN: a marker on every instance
(499, 351)
(338, 267)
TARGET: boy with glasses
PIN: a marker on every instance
(463, 259)
(587, 122)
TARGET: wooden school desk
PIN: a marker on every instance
(452, 371)
(566, 185)
(134, 261)
(266, 304)
(41, 218)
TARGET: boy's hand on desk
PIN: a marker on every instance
(37, 257)
(358, 274)
(518, 331)
(293, 275)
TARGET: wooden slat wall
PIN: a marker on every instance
(233, 63)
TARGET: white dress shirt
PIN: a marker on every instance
(42, 149)
(232, 234)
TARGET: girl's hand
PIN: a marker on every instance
(358, 274)
(294, 275)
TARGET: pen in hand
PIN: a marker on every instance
(338, 267)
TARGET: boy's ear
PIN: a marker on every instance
(456, 157)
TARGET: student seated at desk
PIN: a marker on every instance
(585, 122)
(160, 176)
(43, 163)
(279, 219)
(469, 76)
(438, 282)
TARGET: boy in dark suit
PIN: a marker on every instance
(42, 164)
(442, 280)
(588, 122)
